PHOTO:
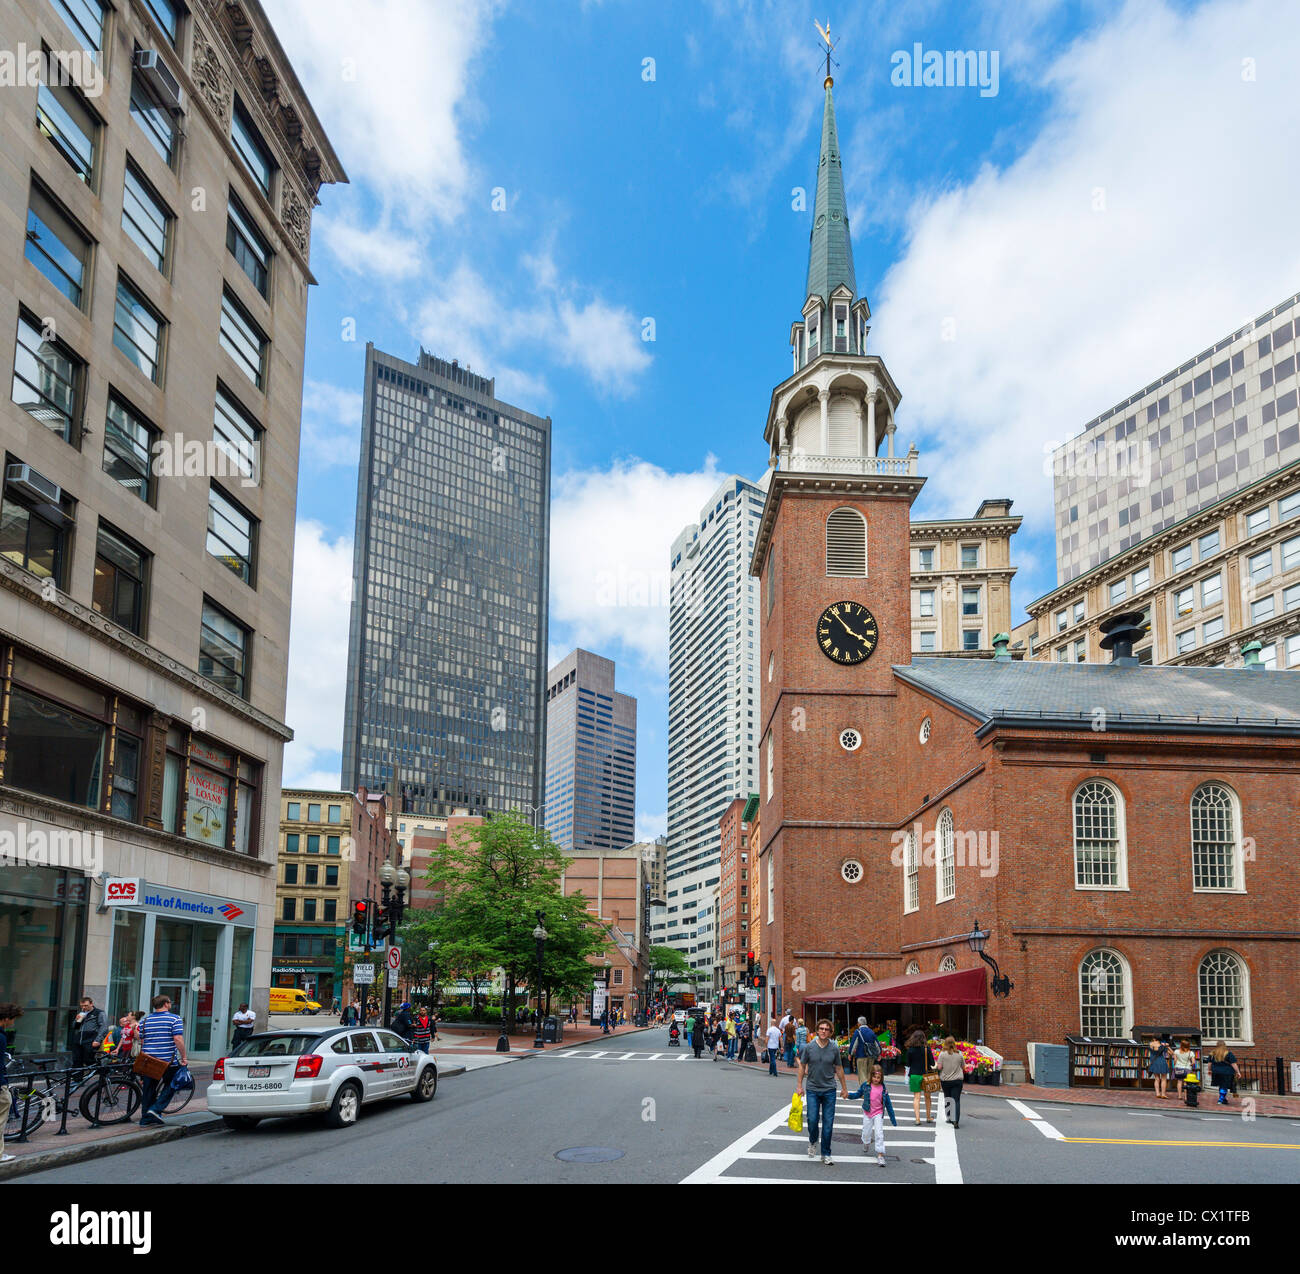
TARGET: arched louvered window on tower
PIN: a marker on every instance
(846, 544)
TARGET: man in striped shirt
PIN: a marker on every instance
(162, 1035)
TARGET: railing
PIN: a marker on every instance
(40, 1084)
(1260, 1076)
(859, 466)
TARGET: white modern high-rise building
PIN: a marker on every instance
(713, 705)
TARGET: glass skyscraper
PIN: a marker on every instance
(590, 756)
(446, 693)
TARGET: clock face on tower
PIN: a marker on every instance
(847, 633)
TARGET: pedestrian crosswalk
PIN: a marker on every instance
(771, 1154)
(632, 1055)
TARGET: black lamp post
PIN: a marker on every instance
(433, 974)
(539, 935)
(1001, 983)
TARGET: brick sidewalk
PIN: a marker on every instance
(483, 1039)
(1268, 1107)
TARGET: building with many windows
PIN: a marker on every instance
(961, 581)
(1220, 422)
(446, 687)
(735, 888)
(332, 845)
(713, 703)
(155, 214)
(590, 756)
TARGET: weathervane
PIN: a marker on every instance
(825, 32)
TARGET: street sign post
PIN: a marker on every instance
(395, 958)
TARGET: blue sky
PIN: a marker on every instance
(528, 191)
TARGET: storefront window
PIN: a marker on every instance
(207, 807)
(42, 935)
(128, 958)
(241, 974)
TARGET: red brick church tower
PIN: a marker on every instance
(834, 560)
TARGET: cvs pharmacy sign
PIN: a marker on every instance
(122, 891)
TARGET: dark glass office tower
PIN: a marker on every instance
(446, 694)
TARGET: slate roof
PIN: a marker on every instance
(830, 251)
(1067, 696)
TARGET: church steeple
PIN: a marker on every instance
(834, 315)
(830, 248)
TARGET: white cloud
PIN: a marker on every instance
(389, 79)
(611, 532)
(369, 250)
(1060, 310)
(318, 656)
(649, 826)
(331, 424)
(558, 322)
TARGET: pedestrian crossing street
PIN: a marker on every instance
(771, 1154)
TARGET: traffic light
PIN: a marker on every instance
(383, 923)
(758, 981)
(359, 916)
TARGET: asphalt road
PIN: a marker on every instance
(662, 1116)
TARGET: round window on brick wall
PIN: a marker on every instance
(925, 731)
(851, 870)
(850, 739)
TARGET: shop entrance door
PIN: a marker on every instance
(178, 991)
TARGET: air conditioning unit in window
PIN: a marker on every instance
(25, 480)
(165, 85)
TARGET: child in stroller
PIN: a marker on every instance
(674, 1036)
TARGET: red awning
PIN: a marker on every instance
(966, 986)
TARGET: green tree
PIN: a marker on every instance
(495, 878)
(669, 965)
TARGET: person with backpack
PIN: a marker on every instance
(403, 1023)
(864, 1049)
(788, 1034)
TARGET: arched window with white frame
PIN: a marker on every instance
(1216, 839)
(945, 859)
(1105, 995)
(911, 874)
(913, 967)
(846, 544)
(1223, 987)
(948, 964)
(1100, 856)
(852, 976)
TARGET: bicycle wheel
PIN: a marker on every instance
(25, 1117)
(111, 1099)
(177, 1100)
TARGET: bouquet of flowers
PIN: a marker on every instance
(890, 1052)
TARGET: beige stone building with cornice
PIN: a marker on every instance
(160, 162)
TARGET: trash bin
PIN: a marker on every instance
(552, 1030)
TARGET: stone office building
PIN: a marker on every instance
(155, 200)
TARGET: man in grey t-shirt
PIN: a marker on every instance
(819, 1067)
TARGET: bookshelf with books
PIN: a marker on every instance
(1106, 1063)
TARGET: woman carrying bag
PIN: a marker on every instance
(951, 1068)
(916, 1074)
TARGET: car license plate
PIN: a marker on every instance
(266, 1086)
(258, 1072)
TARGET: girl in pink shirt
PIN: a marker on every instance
(875, 1106)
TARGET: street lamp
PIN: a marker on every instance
(976, 939)
(394, 905)
(433, 973)
(540, 935)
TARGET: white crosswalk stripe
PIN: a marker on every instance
(766, 1144)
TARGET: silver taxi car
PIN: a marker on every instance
(332, 1072)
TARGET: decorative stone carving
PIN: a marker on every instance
(212, 78)
(295, 218)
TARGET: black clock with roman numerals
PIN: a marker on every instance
(847, 632)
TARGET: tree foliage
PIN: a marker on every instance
(494, 879)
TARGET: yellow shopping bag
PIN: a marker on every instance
(796, 1114)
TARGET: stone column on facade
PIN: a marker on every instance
(889, 435)
(871, 424)
(783, 440)
(824, 399)
(155, 765)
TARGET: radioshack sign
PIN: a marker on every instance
(122, 891)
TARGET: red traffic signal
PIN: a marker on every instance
(750, 957)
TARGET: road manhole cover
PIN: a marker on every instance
(589, 1154)
(920, 1161)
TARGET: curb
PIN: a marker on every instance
(600, 1039)
(204, 1122)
